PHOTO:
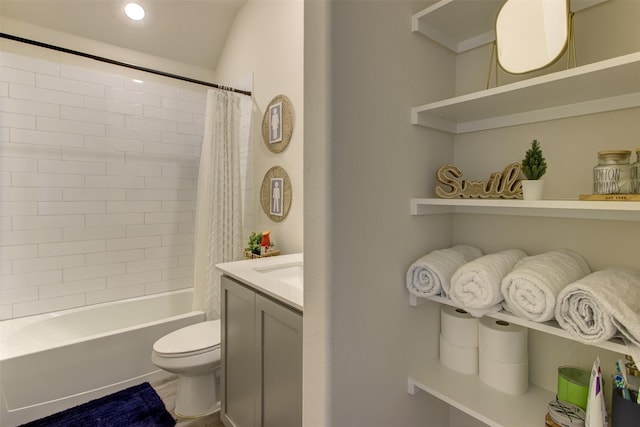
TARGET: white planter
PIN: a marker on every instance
(532, 189)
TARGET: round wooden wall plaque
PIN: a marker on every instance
(275, 194)
(277, 124)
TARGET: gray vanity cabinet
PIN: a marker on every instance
(239, 374)
(261, 359)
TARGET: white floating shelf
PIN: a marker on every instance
(581, 209)
(551, 327)
(458, 25)
(607, 85)
(462, 25)
(470, 395)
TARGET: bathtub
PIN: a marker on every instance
(54, 361)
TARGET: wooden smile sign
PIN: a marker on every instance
(501, 185)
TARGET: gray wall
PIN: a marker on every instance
(364, 69)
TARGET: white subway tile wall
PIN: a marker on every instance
(98, 178)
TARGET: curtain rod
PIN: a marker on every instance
(122, 64)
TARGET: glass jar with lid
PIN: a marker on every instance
(635, 174)
(613, 172)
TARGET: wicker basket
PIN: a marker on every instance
(250, 255)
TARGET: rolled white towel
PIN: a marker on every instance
(476, 285)
(531, 289)
(429, 275)
(594, 308)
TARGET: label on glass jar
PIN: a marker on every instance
(611, 179)
(635, 178)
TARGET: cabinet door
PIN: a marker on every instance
(238, 359)
(279, 341)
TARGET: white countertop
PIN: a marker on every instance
(255, 273)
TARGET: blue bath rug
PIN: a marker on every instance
(137, 406)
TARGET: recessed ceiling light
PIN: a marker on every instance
(134, 11)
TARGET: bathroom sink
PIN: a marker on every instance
(291, 274)
(277, 276)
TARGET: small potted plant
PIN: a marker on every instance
(255, 244)
(534, 167)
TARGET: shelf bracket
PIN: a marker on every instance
(415, 301)
(411, 387)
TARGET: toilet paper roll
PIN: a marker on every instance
(510, 378)
(458, 327)
(459, 359)
(502, 341)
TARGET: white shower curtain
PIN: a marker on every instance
(218, 222)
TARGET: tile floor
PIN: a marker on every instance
(167, 391)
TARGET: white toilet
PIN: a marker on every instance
(192, 352)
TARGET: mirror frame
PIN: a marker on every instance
(562, 51)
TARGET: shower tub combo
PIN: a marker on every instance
(51, 362)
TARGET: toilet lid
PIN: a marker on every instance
(196, 337)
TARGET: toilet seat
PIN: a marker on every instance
(189, 341)
(193, 353)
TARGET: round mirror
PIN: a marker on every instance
(531, 34)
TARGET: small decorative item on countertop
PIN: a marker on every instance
(611, 175)
(635, 174)
(254, 248)
(502, 185)
(265, 243)
(534, 166)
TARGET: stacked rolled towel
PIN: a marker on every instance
(430, 275)
(476, 286)
(594, 308)
(530, 291)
